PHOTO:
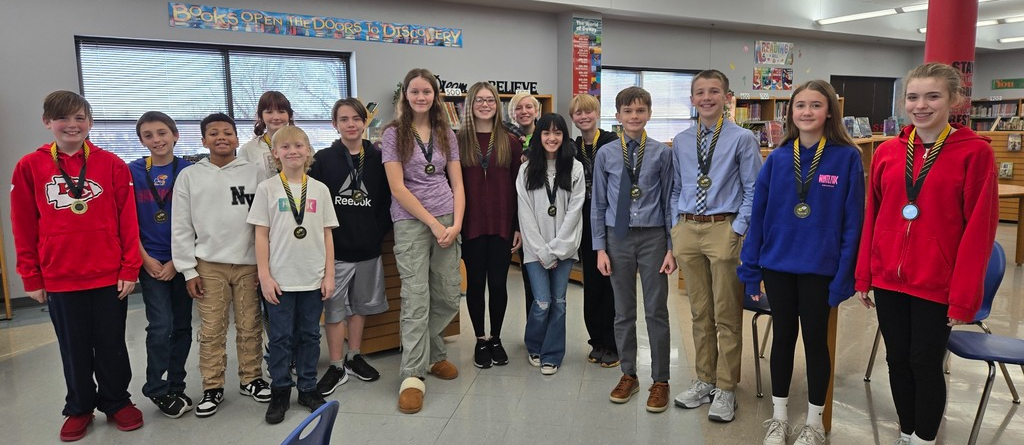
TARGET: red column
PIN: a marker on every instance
(952, 30)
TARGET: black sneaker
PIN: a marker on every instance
(259, 389)
(280, 401)
(595, 354)
(362, 370)
(498, 355)
(332, 379)
(482, 354)
(170, 405)
(184, 399)
(311, 400)
(211, 400)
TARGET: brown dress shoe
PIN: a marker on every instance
(410, 396)
(657, 402)
(625, 389)
(444, 370)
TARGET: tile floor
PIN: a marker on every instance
(515, 404)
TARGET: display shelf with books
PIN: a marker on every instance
(757, 113)
(996, 114)
(455, 106)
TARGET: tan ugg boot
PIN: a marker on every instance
(410, 396)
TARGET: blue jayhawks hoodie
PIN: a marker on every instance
(825, 243)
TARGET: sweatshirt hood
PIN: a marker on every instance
(961, 134)
(234, 164)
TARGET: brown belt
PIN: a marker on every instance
(706, 218)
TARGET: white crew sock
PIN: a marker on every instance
(814, 413)
(781, 408)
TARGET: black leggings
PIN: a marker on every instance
(916, 336)
(487, 259)
(799, 302)
(598, 299)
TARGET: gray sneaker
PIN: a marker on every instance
(697, 395)
(902, 441)
(778, 432)
(810, 435)
(723, 408)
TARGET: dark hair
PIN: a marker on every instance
(714, 75)
(216, 117)
(631, 95)
(834, 130)
(272, 100)
(405, 141)
(536, 169)
(349, 102)
(64, 103)
(155, 116)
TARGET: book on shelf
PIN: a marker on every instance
(1013, 142)
(994, 110)
(864, 127)
(851, 126)
(889, 127)
(1006, 170)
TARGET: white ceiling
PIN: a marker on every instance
(785, 17)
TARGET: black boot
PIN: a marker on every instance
(280, 401)
(311, 399)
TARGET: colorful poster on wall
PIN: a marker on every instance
(586, 56)
(772, 78)
(767, 52)
(183, 15)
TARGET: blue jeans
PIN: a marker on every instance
(295, 325)
(545, 325)
(168, 335)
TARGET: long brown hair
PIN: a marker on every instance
(834, 131)
(468, 142)
(403, 118)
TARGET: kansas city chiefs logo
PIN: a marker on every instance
(57, 192)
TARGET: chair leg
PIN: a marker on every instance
(1002, 367)
(871, 358)
(945, 366)
(764, 341)
(757, 362)
(984, 403)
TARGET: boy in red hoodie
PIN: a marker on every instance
(925, 244)
(77, 241)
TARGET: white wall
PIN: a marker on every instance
(1000, 65)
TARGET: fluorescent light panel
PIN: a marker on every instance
(1011, 40)
(980, 24)
(882, 13)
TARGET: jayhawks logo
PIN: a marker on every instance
(57, 192)
(160, 180)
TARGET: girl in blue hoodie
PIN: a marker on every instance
(803, 238)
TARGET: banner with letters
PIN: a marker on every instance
(183, 15)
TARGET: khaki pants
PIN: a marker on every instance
(707, 255)
(226, 285)
(430, 293)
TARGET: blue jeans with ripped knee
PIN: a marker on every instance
(545, 324)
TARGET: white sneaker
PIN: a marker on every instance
(697, 395)
(548, 369)
(778, 432)
(723, 406)
(810, 435)
(534, 360)
(902, 441)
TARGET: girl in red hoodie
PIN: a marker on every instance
(932, 210)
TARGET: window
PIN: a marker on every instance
(124, 79)
(670, 98)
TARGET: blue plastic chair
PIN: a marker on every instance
(993, 277)
(320, 434)
(759, 308)
(991, 349)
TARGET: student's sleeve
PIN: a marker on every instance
(599, 203)
(25, 225)
(862, 272)
(841, 286)
(667, 173)
(128, 222)
(567, 239)
(383, 203)
(326, 208)
(183, 230)
(749, 270)
(981, 212)
(749, 158)
(259, 212)
(677, 175)
(528, 227)
(515, 161)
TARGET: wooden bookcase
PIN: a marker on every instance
(986, 113)
(547, 105)
(756, 113)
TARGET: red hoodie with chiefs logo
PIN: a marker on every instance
(942, 255)
(60, 250)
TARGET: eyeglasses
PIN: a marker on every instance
(484, 100)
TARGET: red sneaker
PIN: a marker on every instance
(75, 426)
(127, 418)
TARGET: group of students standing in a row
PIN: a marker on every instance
(312, 244)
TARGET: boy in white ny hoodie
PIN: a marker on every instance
(214, 247)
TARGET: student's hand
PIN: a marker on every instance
(449, 237)
(517, 241)
(152, 266)
(167, 272)
(757, 297)
(327, 287)
(669, 265)
(604, 265)
(955, 322)
(437, 229)
(195, 288)
(38, 295)
(124, 287)
(270, 290)
(866, 300)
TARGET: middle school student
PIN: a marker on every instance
(212, 245)
(351, 169)
(598, 298)
(168, 305)
(632, 185)
(523, 109)
(490, 159)
(295, 260)
(550, 186)
(273, 112)
(716, 165)
(804, 229)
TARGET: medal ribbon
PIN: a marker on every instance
(428, 151)
(589, 157)
(161, 201)
(266, 138)
(704, 162)
(803, 185)
(914, 186)
(485, 157)
(630, 168)
(74, 189)
(300, 213)
(357, 173)
(551, 191)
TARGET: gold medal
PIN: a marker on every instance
(635, 192)
(704, 182)
(552, 211)
(358, 196)
(802, 210)
(160, 217)
(430, 169)
(79, 207)
(300, 232)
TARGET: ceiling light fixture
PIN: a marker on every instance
(1011, 40)
(980, 24)
(881, 13)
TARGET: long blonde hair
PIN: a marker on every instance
(834, 130)
(403, 118)
(468, 142)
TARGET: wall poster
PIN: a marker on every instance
(586, 56)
